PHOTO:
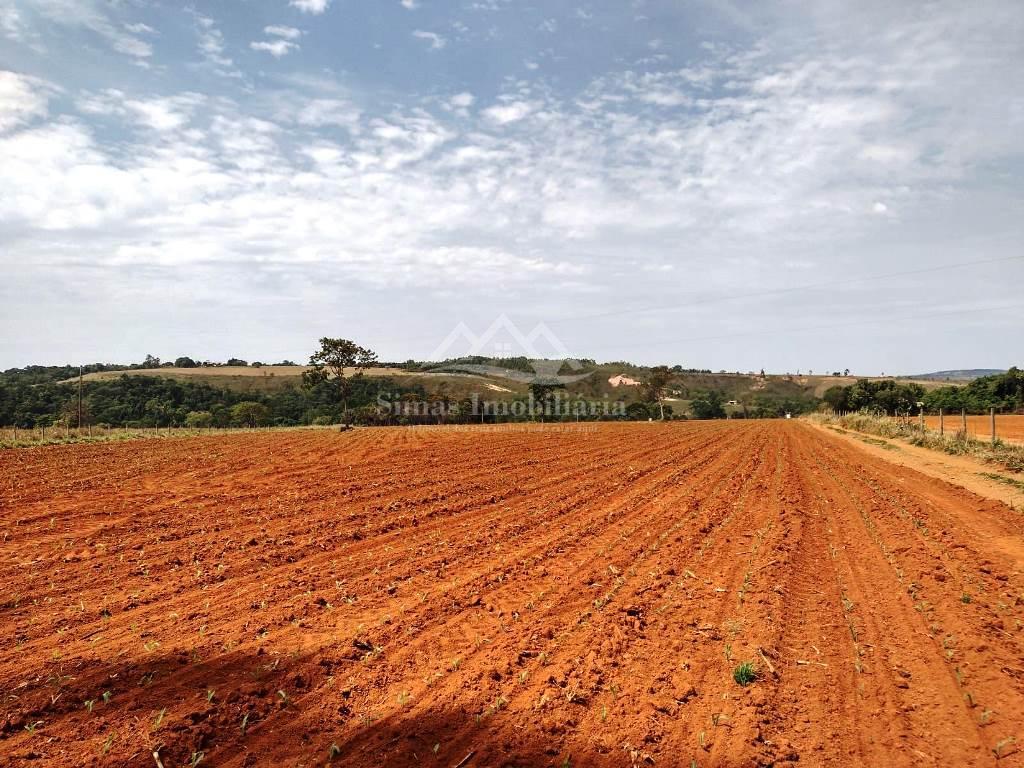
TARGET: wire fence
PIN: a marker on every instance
(992, 427)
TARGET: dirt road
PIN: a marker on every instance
(403, 597)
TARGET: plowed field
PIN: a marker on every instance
(533, 598)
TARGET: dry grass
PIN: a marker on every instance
(270, 378)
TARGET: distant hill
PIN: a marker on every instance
(684, 384)
(969, 374)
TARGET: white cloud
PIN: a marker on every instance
(276, 48)
(22, 99)
(160, 114)
(211, 46)
(307, 185)
(310, 6)
(410, 5)
(140, 29)
(94, 16)
(502, 114)
(436, 41)
(133, 47)
(11, 23)
(288, 33)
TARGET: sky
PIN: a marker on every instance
(711, 183)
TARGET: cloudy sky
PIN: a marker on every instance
(787, 185)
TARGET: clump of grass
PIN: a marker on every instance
(1013, 483)
(745, 673)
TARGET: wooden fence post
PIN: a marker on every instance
(963, 421)
(942, 426)
(992, 419)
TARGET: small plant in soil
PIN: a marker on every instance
(1003, 747)
(745, 673)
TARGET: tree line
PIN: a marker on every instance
(335, 390)
(1004, 392)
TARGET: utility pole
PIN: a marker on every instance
(80, 368)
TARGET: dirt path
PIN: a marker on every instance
(580, 598)
(990, 481)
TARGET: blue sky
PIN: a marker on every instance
(786, 185)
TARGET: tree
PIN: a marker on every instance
(234, 361)
(837, 398)
(184, 362)
(70, 414)
(708, 406)
(330, 365)
(250, 414)
(542, 390)
(638, 412)
(657, 380)
(199, 419)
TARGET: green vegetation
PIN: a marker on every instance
(346, 384)
(745, 673)
(329, 367)
(1004, 392)
(887, 397)
(35, 397)
(1012, 482)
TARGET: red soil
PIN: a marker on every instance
(402, 597)
(1008, 427)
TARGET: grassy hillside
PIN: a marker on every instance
(249, 380)
(231, 395)
(733, 386)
